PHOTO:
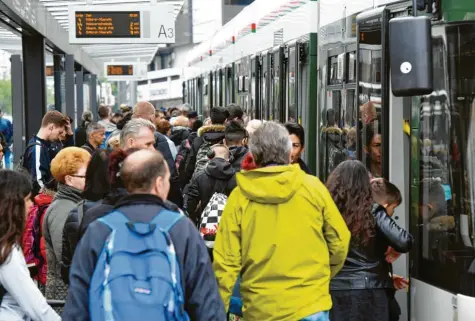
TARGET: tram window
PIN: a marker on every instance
(369, 100)
(333, 134)
(351, 70)
(445, 225)
(292, 114)
(265, 109)
(334, 76)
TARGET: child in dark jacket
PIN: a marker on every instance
(388, 195)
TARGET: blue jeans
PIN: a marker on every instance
(320, 316)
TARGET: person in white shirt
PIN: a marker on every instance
(21, 300)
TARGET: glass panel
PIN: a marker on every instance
(332, 133)
(446, 221)
(292, 110)
(206, 96)
(252, 114)
(276, 88)
(369, 100)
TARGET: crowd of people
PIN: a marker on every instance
(158, 215)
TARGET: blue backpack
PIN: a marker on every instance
(137, 276)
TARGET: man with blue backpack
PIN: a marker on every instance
(143, 261)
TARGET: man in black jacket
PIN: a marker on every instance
(234, 137)
(146, 177)
(213, 134)
(218, 176)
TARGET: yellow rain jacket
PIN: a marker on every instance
(282, 231)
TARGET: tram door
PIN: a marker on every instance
(206, 100)
(265, 80)
(229, 84)
(278, 85)
(199, 83)
(255, 86)
(302, 83)
(291, 97)
(221, 87)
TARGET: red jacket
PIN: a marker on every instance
(42, 201)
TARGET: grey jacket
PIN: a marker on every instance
(64, 201)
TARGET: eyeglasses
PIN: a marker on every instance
(78, 176)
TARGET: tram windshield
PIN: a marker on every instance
(446, 222)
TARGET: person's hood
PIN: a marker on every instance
(272, 184)
(43, 199)
(212, 133)
(110, 127)
(219, 168)
(238, 152)
(69, 193)
(179, 134)
(333, 134)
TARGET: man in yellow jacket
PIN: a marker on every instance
(282, 233)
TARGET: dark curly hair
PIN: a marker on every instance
(14, 187)
(350, 188)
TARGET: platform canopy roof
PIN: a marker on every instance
(106, 52)
(94, 54)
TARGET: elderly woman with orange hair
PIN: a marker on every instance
(69, 170)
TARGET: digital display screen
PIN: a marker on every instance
(372, 37)
(108, 24)
(120, 70)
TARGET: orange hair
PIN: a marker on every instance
(68, 161)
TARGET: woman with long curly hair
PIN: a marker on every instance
(361, 291)
(20, 298)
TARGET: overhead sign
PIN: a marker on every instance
(108, 24)
(95, 24)
(125, 70)
(120, 70)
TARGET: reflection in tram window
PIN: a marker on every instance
(372, 148)
(445, 225)
(369, 103)
(332, 135)
(292, 113)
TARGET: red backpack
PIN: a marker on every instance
(31, 241)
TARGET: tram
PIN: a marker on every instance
(323, 64)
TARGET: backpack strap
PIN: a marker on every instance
(166, 219)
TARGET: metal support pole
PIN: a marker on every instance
(34, 77)
(18, 112)
(122, 92)
(133, 93)
(58, 72)
(69, 107)
(80, 94)
(93, 93)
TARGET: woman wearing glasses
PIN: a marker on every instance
(69, 170)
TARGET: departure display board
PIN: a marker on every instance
(120, 70)
(107, 24)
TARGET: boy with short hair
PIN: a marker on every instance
(388, 195)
